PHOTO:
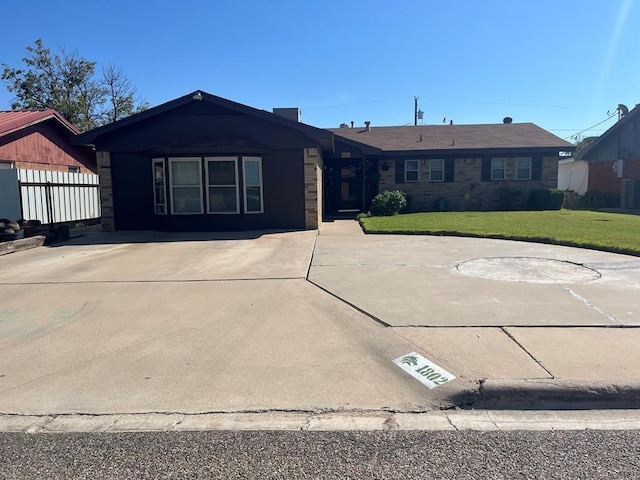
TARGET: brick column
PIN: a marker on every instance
(312, 188)
(106, 191)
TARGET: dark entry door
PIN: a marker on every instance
(350, 189)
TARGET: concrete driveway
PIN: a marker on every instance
(295, 321)
(144, 322)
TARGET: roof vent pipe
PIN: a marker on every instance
(507, 120)
(367, 125)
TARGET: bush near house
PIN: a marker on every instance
(592, 199)
(388, 203)
(511, 199)
(549, 199)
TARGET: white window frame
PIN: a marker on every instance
(529, 168)
(156, 204)
(415, 170)
(431, 169)
(504, 169)
(173, 160)
(245, 184)
(208, 186)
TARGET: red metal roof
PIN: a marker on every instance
(11, 121)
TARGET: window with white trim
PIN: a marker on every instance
(523, 168)
(159, 187)
(186, 185)
(6, 164)
(498, 167)
(252, 177)
(412, 170)
(436, 170)
(222, 185)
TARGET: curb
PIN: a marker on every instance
(21, 244)
(546, 394)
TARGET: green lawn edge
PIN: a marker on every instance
(600, 243)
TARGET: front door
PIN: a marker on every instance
(349, 187)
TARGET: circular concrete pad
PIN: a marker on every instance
(527, 269)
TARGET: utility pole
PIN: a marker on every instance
(417, 114)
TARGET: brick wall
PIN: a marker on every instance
(106, 191)
(313, 164)
(467, 191)
(603, 178)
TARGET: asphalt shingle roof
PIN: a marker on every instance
(454, 137)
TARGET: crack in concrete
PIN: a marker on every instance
(586, 302)
(451, 422)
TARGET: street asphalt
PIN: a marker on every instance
(138, 327)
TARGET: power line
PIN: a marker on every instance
(594, 126)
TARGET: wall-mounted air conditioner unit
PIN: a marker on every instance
(630, 193)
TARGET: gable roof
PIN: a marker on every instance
(14, 120)
(322, 136)
(443, 138)
(635, 112)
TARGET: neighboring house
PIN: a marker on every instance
(201, 162)
(614, 160)
(573, 175)
(39, 140)
(453, 167)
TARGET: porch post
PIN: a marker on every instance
(312, 188)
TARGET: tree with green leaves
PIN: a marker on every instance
(67, 83)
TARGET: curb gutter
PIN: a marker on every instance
(546, 394)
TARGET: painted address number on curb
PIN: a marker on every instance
(423, 370)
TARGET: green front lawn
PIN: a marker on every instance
(602, 231)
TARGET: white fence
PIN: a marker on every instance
(51, 197)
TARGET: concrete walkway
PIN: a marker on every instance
(139, 324)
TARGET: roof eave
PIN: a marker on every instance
(610, 131)
(478, 151)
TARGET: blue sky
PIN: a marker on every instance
(562, 64)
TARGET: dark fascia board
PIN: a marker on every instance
(363, 147)
(324, 138)
(476, 152)
(610, 131)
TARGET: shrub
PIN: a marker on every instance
(511, 198)
(549, 199)
(388, 203)
(592, 199)
(409, 198)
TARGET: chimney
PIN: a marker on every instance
(367, 126)
(507, 120)
(290, 113)
(352, 122)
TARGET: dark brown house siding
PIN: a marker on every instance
(133, 200)
(202, 131)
